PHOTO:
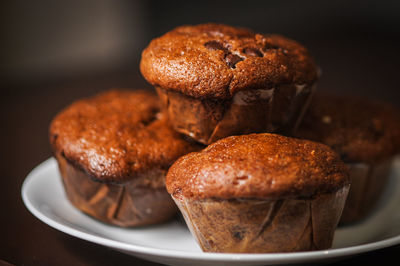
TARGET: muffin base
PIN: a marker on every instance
(263, 226)
(124, 205)
(250, 111)
(367, 184)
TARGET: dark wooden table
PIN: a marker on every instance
(25, 114)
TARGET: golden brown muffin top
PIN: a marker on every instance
(360, 130)
(257, 166)
(117, 135)
(216, 61)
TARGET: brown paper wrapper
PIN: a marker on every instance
(264, 226)
(250, 111)
(130, 204)
(367, 184)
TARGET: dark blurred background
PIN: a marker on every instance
(54, 52)
(356, 43)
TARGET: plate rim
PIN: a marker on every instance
(200, 256)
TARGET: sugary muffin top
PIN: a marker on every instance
(117, 135)
(216, 61)
(258, 166)
(360, 130)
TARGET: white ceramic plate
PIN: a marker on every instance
(173, 244)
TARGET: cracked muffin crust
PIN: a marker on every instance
(359, 130)
(228, 74)
(216, 61)
(260, 193)
(366, 134)
(113, 152)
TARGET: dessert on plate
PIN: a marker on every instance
(260, 193)
(113, 151)
(216, 80)
(366, 134)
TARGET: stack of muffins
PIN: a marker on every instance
(224, 142)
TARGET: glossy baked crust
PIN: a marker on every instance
(263, 166)
(360, 130)
(117, 136)
(216, 61)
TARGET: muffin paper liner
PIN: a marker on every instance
(263, 226)
(125, 205)
(367, 184)
(250, 111)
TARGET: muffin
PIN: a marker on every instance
(366, 134)
(216, 80)
(113, 151)
(260, 193)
